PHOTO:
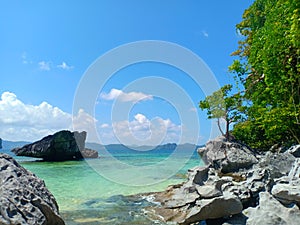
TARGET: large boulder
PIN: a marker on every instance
(227, 156)
(278, 164)
(24, 198)
(63, 145)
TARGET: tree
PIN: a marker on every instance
(269, 70)
(220, 105)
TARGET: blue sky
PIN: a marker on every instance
(47, 46)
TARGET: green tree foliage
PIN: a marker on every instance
(269, 69)
(220, 105)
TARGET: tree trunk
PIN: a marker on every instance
(227, 129)
(219, 126)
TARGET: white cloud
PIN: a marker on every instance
(24, 58)
(28, 122)
(125, 97)
(142, 131)
(20, 121)
(104, 125)
(205, 34)
(65, 66)
(45, 66)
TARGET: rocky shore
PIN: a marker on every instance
(237, 186)
(24, 198)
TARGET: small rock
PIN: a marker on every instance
(198, 175)
(89, 153)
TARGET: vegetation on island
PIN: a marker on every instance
(266, 110)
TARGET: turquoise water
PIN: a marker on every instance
(97, 191)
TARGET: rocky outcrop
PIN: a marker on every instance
(63, 145)
(227, 156)
(269, 212)
(24, 198)
(234, 189)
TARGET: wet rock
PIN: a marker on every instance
(24, 198)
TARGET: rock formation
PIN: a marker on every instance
(237, 186)
(24, 198)
(63, 145)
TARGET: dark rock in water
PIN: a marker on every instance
(63, 145)
(0, 143)
(24, 198)
(227, 156)
(89, 153)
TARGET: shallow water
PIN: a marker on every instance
(91, 191)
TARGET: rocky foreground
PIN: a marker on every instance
(24, 198)
(237, 186)
(61, 146)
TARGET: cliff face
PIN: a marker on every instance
(24, 198)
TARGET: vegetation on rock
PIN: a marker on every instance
(268, 68)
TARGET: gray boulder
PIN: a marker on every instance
(24, 198)
(227, 156)
(287, 193)
(279, 164)
(219, 207)
(270, 212)
(295, 151)
(287, 188)
(61, 146)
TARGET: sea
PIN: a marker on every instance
(104, 190)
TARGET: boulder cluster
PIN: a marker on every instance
(24, 198)
(237, 186)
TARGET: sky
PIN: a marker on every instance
(50, 48)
